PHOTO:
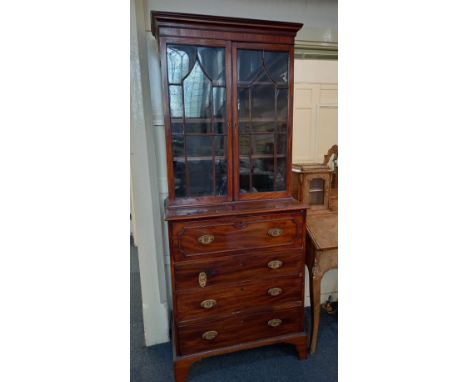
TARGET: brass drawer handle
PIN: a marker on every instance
(275, 322)
(275, 264)
(208, 304)
(202, 278)
(206, 239)
(210, 335)
(275, 291)
(275, 232)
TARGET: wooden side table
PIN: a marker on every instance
(322, 255)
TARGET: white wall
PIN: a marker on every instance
(320, 26)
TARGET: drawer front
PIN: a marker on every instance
(218, 272)
(224, 332)
(223, 236)
(212, 302)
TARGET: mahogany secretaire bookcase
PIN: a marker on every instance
(236, 234)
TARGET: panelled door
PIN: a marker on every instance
(198, 121)
(262, 114)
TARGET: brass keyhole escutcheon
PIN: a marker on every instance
(208, 304)
(275, 232)
(210, 335)
(275, 264)
(202, 279)
(275, 322)
(275, 291)
(206, 239)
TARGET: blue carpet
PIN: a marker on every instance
(276, 363)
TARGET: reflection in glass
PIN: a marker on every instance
(244, 175)
(200, 175)
(266, 127)
(198, 145)
(243, 105)
(197, 103)
(219, 102)
(262, 104)
(244, 127)
(244, 144)
(179, 178)
(262, 175)
(282, 104)
(220, 128)
(197, 94)
(281, 174)
(277, 65)
(263, 144)
(221, 177)
(177, 128)
(263, 100)
(281, 144)
(180, 59)
(177, 145)
(175, 101)
(198, 127)
(219, 145)
(248, 64)
(212, 60)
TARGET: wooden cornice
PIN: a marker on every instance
(168, 22)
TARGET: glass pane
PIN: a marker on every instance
(249, 63)
(243, 103)
(281, 174)
(221, 177)
(244, 175)
(175, 101)
(316, 184)
(263, 101)
(219, 145)
(316, 198)
(244, 144)
(316, 191)
(219, 102)
(197, 98)
(177, 128)
(262, 175)
(263, 144)
(262, 104)
(197, 128)
(263, 127)
(199, 145)
(282, 104)
(178, 145)
(197, 94)
(200, 173)
(212, 61)
(281, 144)
(282, 127)
(180, 59)
(220, 128)
(179, 178)
(277, 66)
(244, 127)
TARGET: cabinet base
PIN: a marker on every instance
(182, 364)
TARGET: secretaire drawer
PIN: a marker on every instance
(240, 328)
(239, 233)
(213, 302)
(235, 268)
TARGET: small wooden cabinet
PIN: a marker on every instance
(311, 185)
(237, 236)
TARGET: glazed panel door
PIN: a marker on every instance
(262, 93)
(198, 116)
